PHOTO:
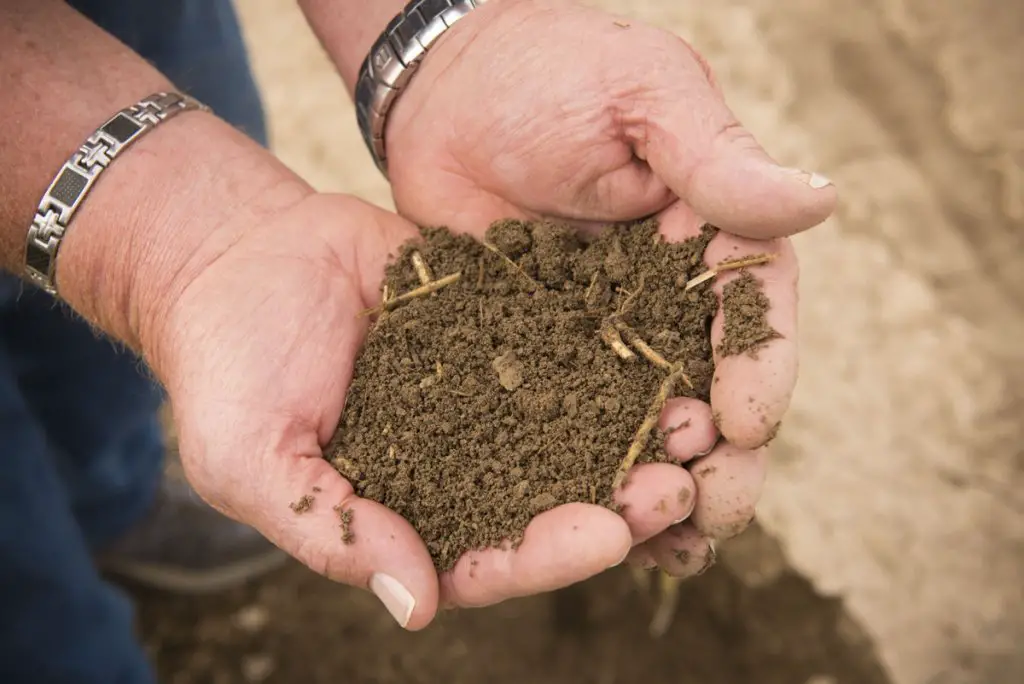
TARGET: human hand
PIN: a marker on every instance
(629, 125)
(544, 108)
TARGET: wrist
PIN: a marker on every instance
(165, 210)
(347, 30)
(390, 60)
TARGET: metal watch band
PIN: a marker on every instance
(393, 60)
(78, 174)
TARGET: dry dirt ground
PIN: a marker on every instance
(895, 495)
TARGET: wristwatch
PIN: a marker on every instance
(393, 60)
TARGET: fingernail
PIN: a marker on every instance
(685, 499)
(701, 454)
(815, 180)
(621, 560)
(709, 559)
(718, 440)
(394, 596)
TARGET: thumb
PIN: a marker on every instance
(298, 501)
(695, 145)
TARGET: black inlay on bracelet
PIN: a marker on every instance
(69, 187)
(121, 128)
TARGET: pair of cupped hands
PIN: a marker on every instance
(524, 109)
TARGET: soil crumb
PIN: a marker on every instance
(745, 307)
(494, 399)
(345, 520)
(302, 505)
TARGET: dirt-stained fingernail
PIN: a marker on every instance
(709, 559)
(701, 454)
(686, 501)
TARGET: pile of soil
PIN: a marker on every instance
(520, 380)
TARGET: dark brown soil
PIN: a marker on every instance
(746, 325)
(502, 395)
(295, 627)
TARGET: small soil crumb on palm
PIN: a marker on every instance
(345, 518)
(303, 504)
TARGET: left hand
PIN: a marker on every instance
(531, 108)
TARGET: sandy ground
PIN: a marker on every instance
(896, 485)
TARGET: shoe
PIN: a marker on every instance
(184, 546)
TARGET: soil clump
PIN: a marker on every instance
(522, 382)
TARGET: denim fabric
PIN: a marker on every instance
(80, 443)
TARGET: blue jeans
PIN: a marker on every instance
(80, 443)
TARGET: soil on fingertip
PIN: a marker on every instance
(746, 323)
(521, 385)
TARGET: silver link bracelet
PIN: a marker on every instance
(393, 60)
(78, 174)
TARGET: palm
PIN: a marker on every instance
(278, 375)
(254, 407)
